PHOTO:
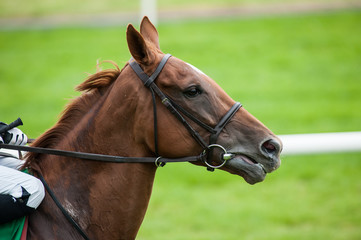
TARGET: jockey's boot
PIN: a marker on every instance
(12, 208)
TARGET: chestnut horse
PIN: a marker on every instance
(115, 116)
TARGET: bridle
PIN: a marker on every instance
(176, 110)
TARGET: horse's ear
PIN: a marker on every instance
(148, 30)
(137, 46)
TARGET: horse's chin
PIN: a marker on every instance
(251, 171)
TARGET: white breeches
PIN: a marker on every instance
(12, 180)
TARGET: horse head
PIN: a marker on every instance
(252, 148)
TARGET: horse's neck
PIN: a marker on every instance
(119, 200)
(107, 200)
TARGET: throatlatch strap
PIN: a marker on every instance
(148, 82)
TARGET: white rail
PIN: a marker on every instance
(149, 8)
(321, 143)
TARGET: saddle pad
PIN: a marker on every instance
(12, 230)
(16, 229)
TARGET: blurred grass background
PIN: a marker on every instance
(10, 8)
(297, 74)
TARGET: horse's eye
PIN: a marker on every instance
(192, 92)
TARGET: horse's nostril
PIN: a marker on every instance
(271, 147)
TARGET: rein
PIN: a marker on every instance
(101, 157)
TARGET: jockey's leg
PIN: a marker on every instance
(20, 194)
(12, 208)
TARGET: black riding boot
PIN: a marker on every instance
(12, 208)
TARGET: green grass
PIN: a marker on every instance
(34, 8)
(305, 70)
(297, 74)
(314, 197)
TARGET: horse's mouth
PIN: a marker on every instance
(247, 167)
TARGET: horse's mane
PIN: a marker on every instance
(93, 87)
